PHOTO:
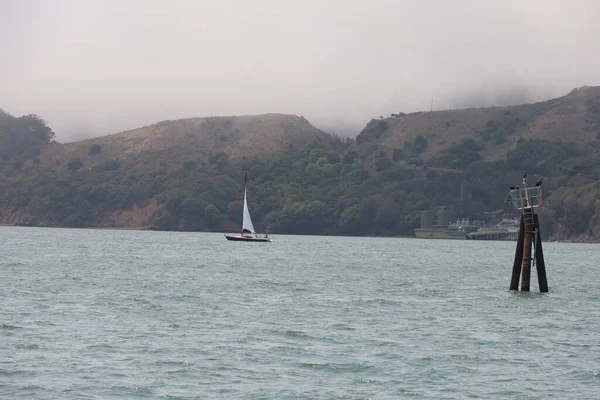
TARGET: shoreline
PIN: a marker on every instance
(574, 241)
(75, 227)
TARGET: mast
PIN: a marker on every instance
(244, 201)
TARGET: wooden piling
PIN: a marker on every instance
(516, 272)
(526, 199)
(539, 259)
(527, 242)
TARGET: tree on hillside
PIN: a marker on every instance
(95, 149)
(75, 164)
(419, 144)
(22, 138)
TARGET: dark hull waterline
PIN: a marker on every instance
(246, 239)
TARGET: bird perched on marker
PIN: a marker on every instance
(539, 183)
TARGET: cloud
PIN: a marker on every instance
(98, 67)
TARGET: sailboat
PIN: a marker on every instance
(247, 234)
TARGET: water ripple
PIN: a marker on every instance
(105, 314)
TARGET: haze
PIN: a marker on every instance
(92, 68)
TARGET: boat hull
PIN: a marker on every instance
(238, 238)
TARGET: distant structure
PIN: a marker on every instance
(440, 225)
(526, 199)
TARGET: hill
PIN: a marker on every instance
(199, 140)
(574, 118)
(141, 178)
(186, 174)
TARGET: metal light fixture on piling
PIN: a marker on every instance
(527, 198)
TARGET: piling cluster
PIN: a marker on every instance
(529, 240)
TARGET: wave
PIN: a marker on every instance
(337, 367)
(9, 327)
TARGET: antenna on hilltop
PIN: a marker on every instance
(431, 109)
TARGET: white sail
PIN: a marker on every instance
(248, 233)
(246, 220)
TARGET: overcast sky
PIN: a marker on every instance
(97, 67)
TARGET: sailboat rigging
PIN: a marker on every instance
(248, 234)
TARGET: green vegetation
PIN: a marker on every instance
(419, 144)
(398, 154)
(21, 139)
(305, 191)
(75, 164)
(501, 129)
(95, 149)
(412, 151)
(319, 188)
(373, 131)
(459, 156)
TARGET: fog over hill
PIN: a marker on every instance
(98, 67)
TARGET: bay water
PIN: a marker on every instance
(109, 314)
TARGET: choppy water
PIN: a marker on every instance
(99, 314)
